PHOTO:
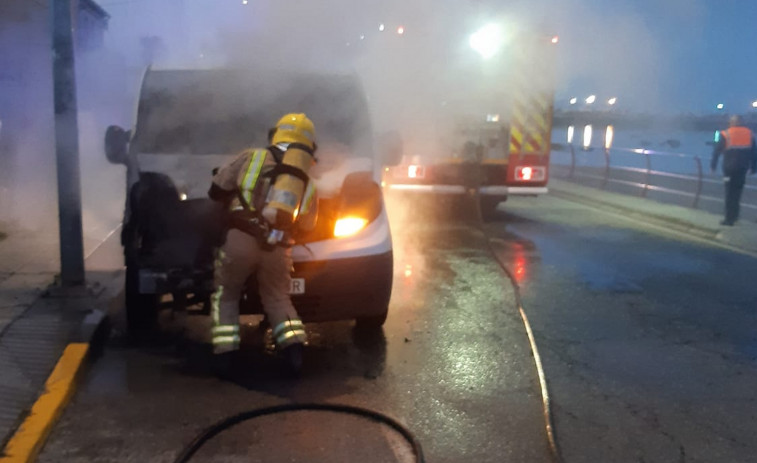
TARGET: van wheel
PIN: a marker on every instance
(374, 322)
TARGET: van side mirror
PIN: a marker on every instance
(117, 144)
(390, 148)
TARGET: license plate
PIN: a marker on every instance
(297, 286)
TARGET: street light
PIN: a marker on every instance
(754, 104)
(573, 100)
(487, 41)
(382, 27)
(612, 101)
(591, 99)
(401, 30)
(720, 106)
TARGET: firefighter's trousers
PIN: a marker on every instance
(238, 259)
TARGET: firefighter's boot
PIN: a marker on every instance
(290, 339)
(292, 356)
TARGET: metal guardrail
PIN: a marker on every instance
(607, 167)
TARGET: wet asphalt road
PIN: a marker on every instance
(647, 342)
(453, 364)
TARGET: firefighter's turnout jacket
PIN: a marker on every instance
(243, 184)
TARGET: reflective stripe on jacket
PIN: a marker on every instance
(248, 180)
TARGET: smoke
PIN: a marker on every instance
(637, 51)
(624, 49)
(26, 164)
(613, 54)
(419, 81)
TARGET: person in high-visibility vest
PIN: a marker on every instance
(269, 196)
(737, 145)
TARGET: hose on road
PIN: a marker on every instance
(554, 447)
(202, 438)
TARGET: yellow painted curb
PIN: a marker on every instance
(28, 440)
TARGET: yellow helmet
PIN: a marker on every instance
(295, 128)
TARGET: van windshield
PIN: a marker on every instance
(222, 112)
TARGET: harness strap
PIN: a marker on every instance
(303, 147)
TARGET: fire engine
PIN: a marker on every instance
(490, 154)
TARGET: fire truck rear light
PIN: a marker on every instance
(530, 173)
(415, 171)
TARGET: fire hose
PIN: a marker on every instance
(210, 432)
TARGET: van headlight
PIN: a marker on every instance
(348, 226)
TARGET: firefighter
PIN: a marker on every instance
(737, 145)
(250, 186)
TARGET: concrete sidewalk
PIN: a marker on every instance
(742, 236)
(36, 322)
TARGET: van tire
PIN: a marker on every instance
(372, 322)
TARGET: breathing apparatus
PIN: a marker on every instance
(295, 134)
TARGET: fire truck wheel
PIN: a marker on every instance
(489, 205)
